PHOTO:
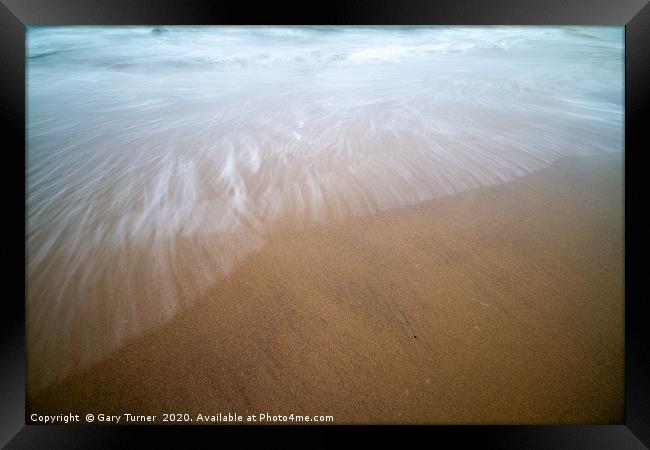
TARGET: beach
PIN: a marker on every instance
(359, 224)
(499, 304)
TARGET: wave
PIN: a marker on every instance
(146, 186)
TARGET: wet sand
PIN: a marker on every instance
(496, 305)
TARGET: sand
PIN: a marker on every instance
(496, 305)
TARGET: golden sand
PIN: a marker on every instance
(497, 305)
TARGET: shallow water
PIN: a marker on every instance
(159, 157)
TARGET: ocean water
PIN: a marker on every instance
(158, 157)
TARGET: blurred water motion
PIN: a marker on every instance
(159, 157)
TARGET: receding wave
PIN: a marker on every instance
(159, 157)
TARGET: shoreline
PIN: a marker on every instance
(501, 304)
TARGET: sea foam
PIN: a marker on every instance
(158, 158)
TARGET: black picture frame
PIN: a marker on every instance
(16, 15)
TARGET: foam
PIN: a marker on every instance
(157, 161)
